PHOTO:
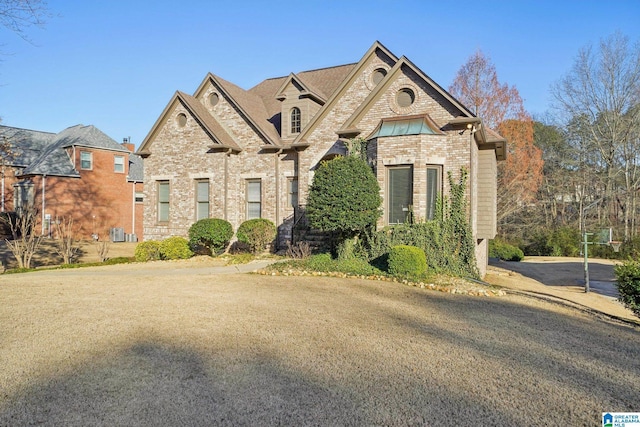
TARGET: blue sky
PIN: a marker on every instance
(115, 64)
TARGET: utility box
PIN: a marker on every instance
(116, 234)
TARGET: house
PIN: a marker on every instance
(79, 173)
(238, 154)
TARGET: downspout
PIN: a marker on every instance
(277, 160)
(133, 208)
(226, 184)
(472, 178)
(44, 177)
(277, 167)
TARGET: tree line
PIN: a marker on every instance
(577, 167)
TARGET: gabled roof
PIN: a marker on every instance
(323, 81)
(346, 81)
(261, 106)
(379, 90)
(250, 107)
(211, 126)
(306, 89)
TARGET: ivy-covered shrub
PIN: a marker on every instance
(210, 236)
(175, 247)
(147, 251)
(628, 284)
(447, 240)
(503, 250)
(407, 261)
(257, 234)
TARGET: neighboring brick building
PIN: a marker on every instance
(236, 154)
(79, 173)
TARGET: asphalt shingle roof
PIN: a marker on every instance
(25, 144)
(44, 153)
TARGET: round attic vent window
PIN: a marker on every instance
(213, 99)
(182, 120)
(378, 75)
(405, 97)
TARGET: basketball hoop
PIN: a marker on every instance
(615, 246)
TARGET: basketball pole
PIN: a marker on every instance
(585, 241)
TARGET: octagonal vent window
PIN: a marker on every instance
(405, 98)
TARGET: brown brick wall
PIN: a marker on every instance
(181, 154)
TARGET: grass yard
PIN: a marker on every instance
(156, 344)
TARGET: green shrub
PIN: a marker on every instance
(175, 247)
(210, 235)
(503, 250)
(628, 284)
(344, 197)
(257, 233)
(561, 241)
(447, 240)
(407, 261)
(147, 251)
(630, 248)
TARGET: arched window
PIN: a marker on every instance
(295, 120)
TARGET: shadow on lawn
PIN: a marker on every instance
(155, 384)
(387, 355)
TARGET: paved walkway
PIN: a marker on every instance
(562, 280)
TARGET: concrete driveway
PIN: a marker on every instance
(566, 272)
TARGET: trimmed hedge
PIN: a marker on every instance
(257, 234)
(504, 251)
(175, 247)
(147, 251)
(407, 261)
(211, 234)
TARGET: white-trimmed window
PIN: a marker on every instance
(139, 197)
(202, 199)
(254, 198)
(292, 192)
(163, 201)
(399, 194)
(434, 189)
(86, 160)
(118, 164)
(296, 122)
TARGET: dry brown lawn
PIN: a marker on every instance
(46, 254)
(160, 344)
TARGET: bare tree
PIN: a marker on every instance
(67, 245)
(17, 15)
(25, 242)
(600, 96)
(102, 246)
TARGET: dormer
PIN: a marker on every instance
(299, 103)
